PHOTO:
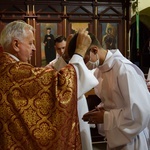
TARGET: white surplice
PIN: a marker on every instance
(123, 91)
(85, 81)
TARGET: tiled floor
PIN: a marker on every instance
(99, 146)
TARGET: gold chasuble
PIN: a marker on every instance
(38, 107)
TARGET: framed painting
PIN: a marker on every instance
(73, 27)
(76, 26)
(43, 29)
(109, 39)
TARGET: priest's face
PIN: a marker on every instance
(26, 47)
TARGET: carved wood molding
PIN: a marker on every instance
(66, 12)
(54, 10)
(12, 11)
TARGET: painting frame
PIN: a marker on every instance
(112, 41)
(109, 35)
(43, 27)
(74, 26)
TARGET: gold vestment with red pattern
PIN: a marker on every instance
(38, 107)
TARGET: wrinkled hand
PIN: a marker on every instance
(83, 42)
(94, 116)
(65, 55)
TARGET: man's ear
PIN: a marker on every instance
(15, 45)
(94, 50)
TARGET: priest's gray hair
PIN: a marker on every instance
(14, 30)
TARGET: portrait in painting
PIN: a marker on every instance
(109, 39)
(47, 39)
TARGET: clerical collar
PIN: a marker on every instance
(14, 57)
(109, 54)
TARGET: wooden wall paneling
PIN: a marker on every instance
(111, 15)
(10, 11)
(49, 11)
(95, 19)
(64, 19)
(66, 13)
(79, 15)
(31, 19)
(121, 37)
(127, 17)
(64, 27)
(47, 14)
(38, 44)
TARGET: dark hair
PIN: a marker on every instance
(48, 28)
(72, 44)
(95, 41)
(60, 38)
(110, 42)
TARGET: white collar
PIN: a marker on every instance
(14, 57)
(109, 54)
